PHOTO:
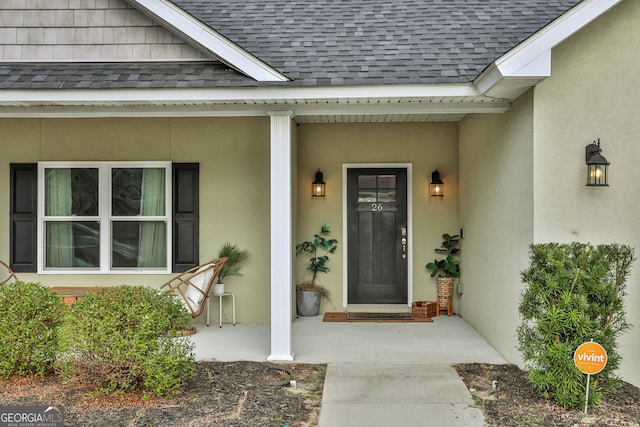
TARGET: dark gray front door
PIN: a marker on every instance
(376, 221)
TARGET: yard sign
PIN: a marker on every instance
(591, 358)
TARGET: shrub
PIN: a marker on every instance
(574, 294)
(126, 338)
(30, 315)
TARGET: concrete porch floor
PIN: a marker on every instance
(447, 340)
(378, 374)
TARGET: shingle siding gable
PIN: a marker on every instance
(95, 30)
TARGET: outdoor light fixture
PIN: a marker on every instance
(318, 185)
(437, 186)
(597, 166)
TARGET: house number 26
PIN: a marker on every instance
(376, 207)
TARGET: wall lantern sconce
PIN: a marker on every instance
(318, 185)
(437, 186)
(597, 166)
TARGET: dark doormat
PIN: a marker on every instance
(372, 317)
(380, 316)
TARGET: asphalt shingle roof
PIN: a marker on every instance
(119, 75)
(337, 42)
(326, 42)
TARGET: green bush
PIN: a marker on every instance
(575, 293)
(30, 315)
(127, 338)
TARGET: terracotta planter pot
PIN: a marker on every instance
(188, 332)
(445, 290)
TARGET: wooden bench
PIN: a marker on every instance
(70, 294)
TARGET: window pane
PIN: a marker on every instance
(72, 244)
(71, 191)
(138, 191)
(139, 244)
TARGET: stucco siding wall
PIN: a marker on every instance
(426, 146)
(496, 197)
(593, 93)
(234, 185)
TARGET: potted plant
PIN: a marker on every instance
(309, 293)
(446, 270)
(232, 267)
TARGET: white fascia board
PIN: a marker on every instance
(488, 79)
(71, 96)
(533, 56)
(204, 37)
(531, 59)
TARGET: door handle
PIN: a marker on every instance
(403, 241)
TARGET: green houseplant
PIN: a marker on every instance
(233, 266)
(448, 266)
(445, 270)
(309, 293)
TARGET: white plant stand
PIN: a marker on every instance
(220, 296)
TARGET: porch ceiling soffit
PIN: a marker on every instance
(530, 62)
(207, 40)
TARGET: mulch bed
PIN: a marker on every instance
(254, 394)
(223, 394)
(518, 404)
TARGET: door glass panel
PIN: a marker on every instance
(386, 196)
(376, 188)
(386, 181)
(366, 196)
(367, 181)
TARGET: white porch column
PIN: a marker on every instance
(281, 236)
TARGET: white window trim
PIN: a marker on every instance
(104, 217)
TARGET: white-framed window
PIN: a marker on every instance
(104, 217)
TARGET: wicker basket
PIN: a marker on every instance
(445, 290)
(423, 309)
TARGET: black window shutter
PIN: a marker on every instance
(23, 216)
(186, 216)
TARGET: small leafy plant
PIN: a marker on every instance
(318, 251)
(126, 338)
(574, 294)
(448, 266)
(30, 315)
(236, 256)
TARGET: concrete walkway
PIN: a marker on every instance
(379, 374)
(384, 394)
